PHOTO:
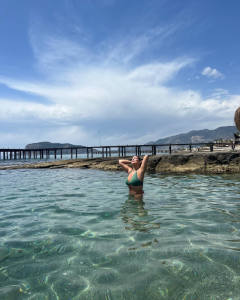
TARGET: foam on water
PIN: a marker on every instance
(76, 234)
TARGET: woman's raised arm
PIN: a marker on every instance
(144, 163)
(124, 164)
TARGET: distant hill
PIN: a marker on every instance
(200, 136)
(46, 145)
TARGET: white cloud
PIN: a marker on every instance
(196, 77)
(209, 72)
(103, 91)
(127, 49)
(159, 72)
(220, 93)
(98, 94)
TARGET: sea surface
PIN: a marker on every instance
(77, 234)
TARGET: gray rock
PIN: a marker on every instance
(213, 162)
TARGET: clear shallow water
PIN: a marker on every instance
(76, 234)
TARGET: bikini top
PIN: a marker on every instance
(134, 180)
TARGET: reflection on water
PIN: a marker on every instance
(76, 234)
(136, 216)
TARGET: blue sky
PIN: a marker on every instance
(136, 71)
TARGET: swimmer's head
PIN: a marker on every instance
(136, 161)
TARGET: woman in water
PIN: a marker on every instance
(135, 174)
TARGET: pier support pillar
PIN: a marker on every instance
(71, 152)
(211, 148)
(91, 152)
(170, 149)
(109, 151)
(55, 153)
(190, 148)
(154, 150)
(76, 152)
(61, 153)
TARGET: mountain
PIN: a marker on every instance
(201, 136)
(46, 145)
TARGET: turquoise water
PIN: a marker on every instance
(76, 234)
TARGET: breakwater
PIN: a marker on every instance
(213, 162)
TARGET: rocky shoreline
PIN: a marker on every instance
(213, 162)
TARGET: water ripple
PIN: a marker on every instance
(76, 234)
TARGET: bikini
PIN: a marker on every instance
(134, 180)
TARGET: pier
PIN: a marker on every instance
(105, 151)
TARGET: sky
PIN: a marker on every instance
(114, 72)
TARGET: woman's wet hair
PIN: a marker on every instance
(139, 158)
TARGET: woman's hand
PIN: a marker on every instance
(124, 164)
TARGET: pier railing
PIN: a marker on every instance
(106, 151)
